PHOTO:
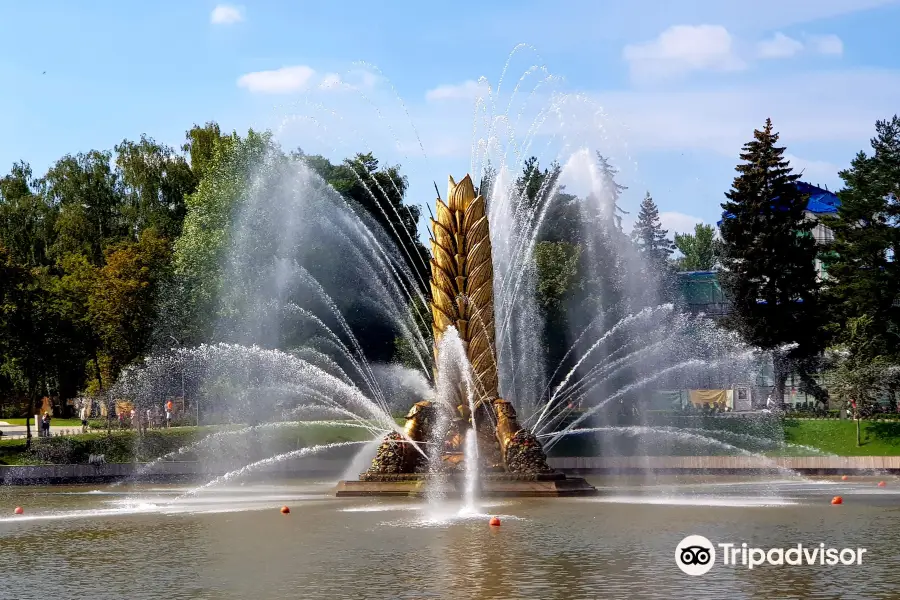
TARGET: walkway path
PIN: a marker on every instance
(17, 431)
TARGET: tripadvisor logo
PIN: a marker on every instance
(696, 555)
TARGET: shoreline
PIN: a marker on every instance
(187, 471)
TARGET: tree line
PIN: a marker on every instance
(112, 254)
(829, 305)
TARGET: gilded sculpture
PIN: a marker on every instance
(462, 296)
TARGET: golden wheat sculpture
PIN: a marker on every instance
(462, 275)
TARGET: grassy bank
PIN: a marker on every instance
(879, 438)
(128, 446)
(54, 422)
(684, 438)
(766, 434)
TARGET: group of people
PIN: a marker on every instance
(128, 419)
(149, 419)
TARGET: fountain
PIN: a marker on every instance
(510, 458)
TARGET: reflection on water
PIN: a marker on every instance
(231, 543)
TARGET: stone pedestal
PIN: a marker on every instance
(491, 485)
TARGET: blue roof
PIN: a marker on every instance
(821, 202)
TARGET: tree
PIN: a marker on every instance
(768, 256)
(200, 144)
(649, 236)
(557, 268)
(192, 306)
(122, 303)
(154, 182)
(698, 249)
(30, 344)
(26, 220)
(858, 376)
(611, 191)
(557, 287)
(654, 248)
(379, 192)
(86, 189)
(863, 275)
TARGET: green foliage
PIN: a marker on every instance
(654, 248)
(419, 322)
(768, 255)
(557, 270)
(227, 165)
(863, 276)
(699, 249)
(130, 446)
(85, 187)
(377, 192)
(155, 181)
(649, 236)
(27, 221)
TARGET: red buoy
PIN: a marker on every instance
(881, 484)
(19, 510)
(495, 522)
(837, 500)
(844, 478)
(285, 510)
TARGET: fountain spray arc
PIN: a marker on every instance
(512, 460)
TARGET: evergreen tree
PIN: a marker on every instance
(768, 256)
(649, 236)
(654, 248)
(863, 279)
(608, 206)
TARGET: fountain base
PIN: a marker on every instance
(491, 485)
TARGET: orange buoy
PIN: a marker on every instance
(19, 510)
(844, 478)
(837, 500)
(285, 510)
(881, 484)
(495, 522)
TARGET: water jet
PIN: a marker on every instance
(510, 458)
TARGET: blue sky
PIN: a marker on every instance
(669, 89)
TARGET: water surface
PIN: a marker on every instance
(232, 542)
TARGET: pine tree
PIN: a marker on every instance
(863, 279)
(609, 209)
(649, 236)
(768, 256)
(654, 247)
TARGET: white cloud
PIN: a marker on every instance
(576, 29)
(681, 49)
(676, 222)
(782, 46)
(468, 90)
(829, 45)
(779, 46)
(226, 14)
(723, 119)
(279, 81)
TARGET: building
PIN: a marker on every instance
(700, 290)
(701, 293)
